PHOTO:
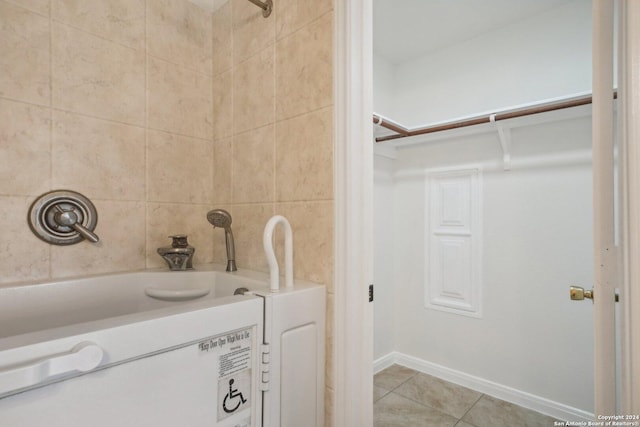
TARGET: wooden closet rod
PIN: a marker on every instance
(402, 132)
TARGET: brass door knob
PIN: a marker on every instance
(577, 293)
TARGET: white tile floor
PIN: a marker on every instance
(407, 398)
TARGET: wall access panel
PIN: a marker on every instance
(453, 241)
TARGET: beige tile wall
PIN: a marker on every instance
(113, 99)
(273, 134)
(158, 112)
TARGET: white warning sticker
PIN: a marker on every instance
(234, 353)
(237, 358)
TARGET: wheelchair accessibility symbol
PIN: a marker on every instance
(228, 404)
(234, 394)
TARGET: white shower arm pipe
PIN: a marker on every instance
(267, 242)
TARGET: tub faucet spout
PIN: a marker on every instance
(222, 219)
(179, 255)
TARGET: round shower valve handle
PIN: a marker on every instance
(70, 219)
(66, 218)
(63, 217)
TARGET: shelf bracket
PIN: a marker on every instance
(504, 134)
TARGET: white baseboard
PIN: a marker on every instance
(539, 404)
(384, 362)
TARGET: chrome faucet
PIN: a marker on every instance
(222, 219)
(179, 255)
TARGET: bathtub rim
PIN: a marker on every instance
(259, 279)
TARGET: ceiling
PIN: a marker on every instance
(408, 29)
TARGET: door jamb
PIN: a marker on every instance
(353, 217)
(629, 155)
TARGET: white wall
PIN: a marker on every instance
(537, 242)
(384, 87)
(383, 253)
(543, 57)
(537, 217)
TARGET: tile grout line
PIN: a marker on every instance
(398, 386)
(404, 382)
(232, 125)
(458, 420)
(274, 107)
(385, 394)
(423, 405)
(50, 250)
(389, 391)
(471, 407)
(429, 406)
(146, 138)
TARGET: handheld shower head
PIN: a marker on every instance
(219, 218)
(222, 219)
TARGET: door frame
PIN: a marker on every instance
(350, 401)
(629, 155)
(605, 253)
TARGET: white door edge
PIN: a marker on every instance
(629, 137)
(605, 261)
(353, 230)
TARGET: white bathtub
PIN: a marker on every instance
(158, 366)
(43, 306)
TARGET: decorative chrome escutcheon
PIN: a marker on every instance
(63, 217)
